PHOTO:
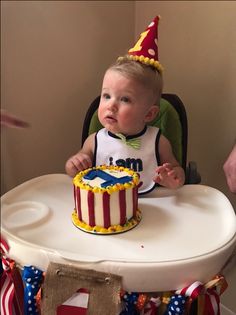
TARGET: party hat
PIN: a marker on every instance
(146, 49)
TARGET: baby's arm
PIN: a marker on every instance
(169, 174)
(83, 159)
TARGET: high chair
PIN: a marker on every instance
(180, 247)
(172, 120)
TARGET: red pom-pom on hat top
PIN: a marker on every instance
(146, 48)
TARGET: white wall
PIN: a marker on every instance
(54, 54)
(197, 47)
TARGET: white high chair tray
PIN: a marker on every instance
(184, 235)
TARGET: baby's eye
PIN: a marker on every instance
(125, 99)
(106, 96)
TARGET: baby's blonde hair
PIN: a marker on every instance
(147, 76)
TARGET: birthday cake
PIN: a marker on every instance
(106, 200)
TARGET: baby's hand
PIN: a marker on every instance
(167, 176)
(77, 163)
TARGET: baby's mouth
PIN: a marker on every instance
(110, 119)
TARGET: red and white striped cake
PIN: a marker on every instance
(106, 199)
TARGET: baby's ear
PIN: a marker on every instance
(152, 113)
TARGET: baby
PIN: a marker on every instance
(130, 98)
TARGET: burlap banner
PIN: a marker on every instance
(91, 292)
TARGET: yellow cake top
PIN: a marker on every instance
(106, 178)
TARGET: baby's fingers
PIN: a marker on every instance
(168, 166)
(82, 163)
(174, 176)
(157, 179)
(171, 173)
(71, 168)
(160, 169)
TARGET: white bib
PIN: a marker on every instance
(110, 150)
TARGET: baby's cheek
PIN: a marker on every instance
(100, 113)
(126, 117)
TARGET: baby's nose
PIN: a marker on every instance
(113, 105)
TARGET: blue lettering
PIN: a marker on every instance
(120, 162)
(132, 163)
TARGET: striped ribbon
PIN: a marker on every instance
(11, 284)
(7, 295)
(212, 302)
(208, 294)
(4, 247)
(192, 290)
(7, 286)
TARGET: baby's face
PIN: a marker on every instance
(124, 104)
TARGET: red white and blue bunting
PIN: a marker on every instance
(18, 290)
(11, 284)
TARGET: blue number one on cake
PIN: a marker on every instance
(109, 179)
